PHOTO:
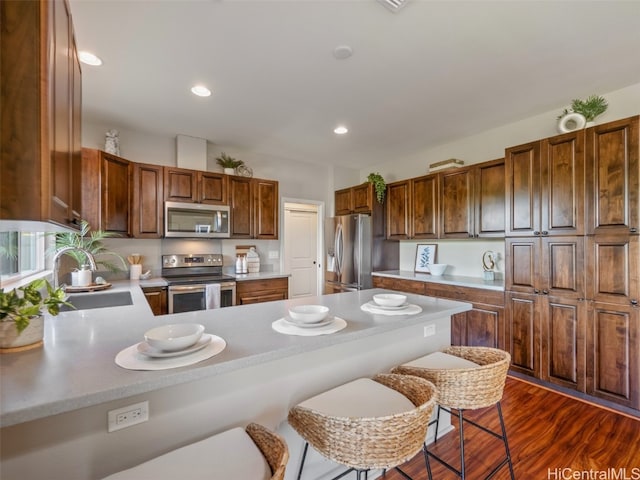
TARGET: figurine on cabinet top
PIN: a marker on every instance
(112, 142)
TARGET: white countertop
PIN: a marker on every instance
(76, 367)
(471, 282)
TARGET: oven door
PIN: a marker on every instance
(186, 298)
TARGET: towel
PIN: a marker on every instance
(212, 295)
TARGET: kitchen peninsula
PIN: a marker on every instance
(55, 400)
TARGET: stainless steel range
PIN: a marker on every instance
(188, 277)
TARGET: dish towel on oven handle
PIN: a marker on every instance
(212, 295)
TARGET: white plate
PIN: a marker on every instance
(381, 307)
(322, 323)
(146, 349)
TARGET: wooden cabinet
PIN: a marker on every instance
(157, 298)
(105, 193)
(545, 187)
(399, 284)
(147, 204)
(258, 291)
(472, 201)
(357, 199)
(613, 172)
(398, 210)
(412, 208)
(40, 113)
(195, 186)
(523, 332)
(254, 208)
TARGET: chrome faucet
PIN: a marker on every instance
(62, 251)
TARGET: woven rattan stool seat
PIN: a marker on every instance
(368, 423)
(466, 378)
(254, 453)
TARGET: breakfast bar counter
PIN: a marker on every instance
(67, 387)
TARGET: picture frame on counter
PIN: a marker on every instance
(425, 256)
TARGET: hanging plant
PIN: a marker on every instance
(379, 185)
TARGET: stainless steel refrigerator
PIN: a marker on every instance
(355, 247)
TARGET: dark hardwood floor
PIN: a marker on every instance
(548, 432)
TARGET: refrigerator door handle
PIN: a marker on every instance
(338, 244)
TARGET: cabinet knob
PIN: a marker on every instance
(545, 292)
(634, 303)
(536, 232)
(536, 291)
(544, 232)
(633, 230)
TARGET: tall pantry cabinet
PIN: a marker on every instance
(40, 113)
(572, 260)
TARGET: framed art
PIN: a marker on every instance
(425, 255)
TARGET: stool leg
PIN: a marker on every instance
(435, 439)
(304, 456)
(506, 442)
(426, 460)
(461, 422)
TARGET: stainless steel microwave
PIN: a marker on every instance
(196, 220)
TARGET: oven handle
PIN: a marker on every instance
(186, 288)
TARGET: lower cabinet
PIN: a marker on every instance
(157, 298)
(407, 286)
(258, 291)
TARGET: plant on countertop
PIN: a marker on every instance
(21, 304)
(589, 108)
(225, 161)
(379, 185)
(90, 240)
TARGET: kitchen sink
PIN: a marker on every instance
(86, 301)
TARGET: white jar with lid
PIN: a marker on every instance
(253, 261)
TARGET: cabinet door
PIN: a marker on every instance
(490, 199)
(522, 168)
(115, 194)
(562, 267)
(147, 213)
(398, 210)
(522, 264)
(76, 141)
(241, 203)
(363, 198)
(265, 193)
(482, 326)
(613, 171)
(157, 299)
(343, 201)
(613, 370)
(423, 220)
(563, 341)
(180, 184)
(212, 188)
(258, 291)
(456, 204)
(613, 269)
(523, 332)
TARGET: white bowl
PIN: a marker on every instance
(171, 338)
(437, 269)
(308, 313)
(389, 299)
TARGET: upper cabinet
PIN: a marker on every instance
(545, 186)
(147, 201)
(613, 171)
(40, 113)
(105, 196)
(254, 208)
(358, 199)
(412, 208)
(195, 186)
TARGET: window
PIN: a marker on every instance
(21, 254)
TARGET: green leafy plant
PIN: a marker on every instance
(22, 304)
(225, 161)
(92, 241)
(590, 108)
(379, 185)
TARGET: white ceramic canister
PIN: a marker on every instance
(135, 271)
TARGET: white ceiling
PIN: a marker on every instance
(430, 73)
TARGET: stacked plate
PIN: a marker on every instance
(174, 340)
(309, 316)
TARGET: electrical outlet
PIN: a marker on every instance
(429, 330)
(273, 254)
(126, 416)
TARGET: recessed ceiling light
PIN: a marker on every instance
(342, 51)
(341, 130)
(89, 58)
(201, 91)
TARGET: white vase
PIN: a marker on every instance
(570, 122)
(30, 337)
(230, 171)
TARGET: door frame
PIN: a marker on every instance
(319, 240)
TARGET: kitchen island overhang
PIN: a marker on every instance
(258, 377)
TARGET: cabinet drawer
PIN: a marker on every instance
(408, 286)
(465, 294)
(258, 285)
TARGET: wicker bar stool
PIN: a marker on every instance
(254, 453)
(467, 378)
(366, 424)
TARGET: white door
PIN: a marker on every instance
(301, 249)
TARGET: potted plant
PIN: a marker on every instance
(379, 185)
(229, 164)
(21, 314)
(590, 108)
